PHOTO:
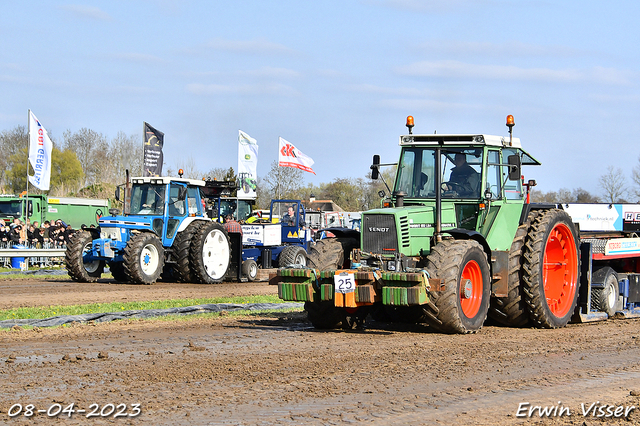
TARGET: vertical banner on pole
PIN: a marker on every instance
(153, 143)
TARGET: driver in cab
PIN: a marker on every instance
(464, 179)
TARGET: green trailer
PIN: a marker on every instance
(73, 211)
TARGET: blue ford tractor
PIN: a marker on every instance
(164, 230)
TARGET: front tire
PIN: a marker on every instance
(80, 266)
(118, 272)
(329, 254)
(550, 269)
(143, 258)
(463, 306)
(210, 254)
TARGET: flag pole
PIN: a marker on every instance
(26, 203)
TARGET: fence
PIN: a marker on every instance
(45, 256)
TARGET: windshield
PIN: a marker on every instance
(10, 208)
(460, 171)
(147, 199)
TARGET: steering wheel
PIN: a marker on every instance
(456, 186)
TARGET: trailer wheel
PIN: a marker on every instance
(550, 269)
(118, 272)
(143, 258)
(512, 310)
(292, 255)
(80, 266)
(329, 254)
(250, 269)
(607, 299)
(210, 253)
(463, 306)
(181, 246)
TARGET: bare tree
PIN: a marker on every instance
(635, 176)
(91, 148)
(282, 182)
(125, 153)
(613, 184)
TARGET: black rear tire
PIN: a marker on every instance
(77, 268)
(513, 310)
(181, 247)
(551, 269)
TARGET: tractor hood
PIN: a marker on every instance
(132, 222)
(407, 230)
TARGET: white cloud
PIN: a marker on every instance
(247, 46)
(248, 89)
(86, 11)
(139, 57)
(457, 69)
(432, 6)
(271, 72)
(503, 50)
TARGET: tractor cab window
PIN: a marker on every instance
(462, 172)
(147, 199)
(415, 173)
(494, 175)
(195, 207)
(512, 188)
(176, 207)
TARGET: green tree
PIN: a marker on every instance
(66, 172)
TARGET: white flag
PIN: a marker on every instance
(290, 156)
(247, 166)
(40, 148)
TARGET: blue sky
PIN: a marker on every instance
(335, 78)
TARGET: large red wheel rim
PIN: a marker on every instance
(560, 270)
(471, 289)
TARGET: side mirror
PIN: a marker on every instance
(117, 193)
(375, 172)
(514, 167)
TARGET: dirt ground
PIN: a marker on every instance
(276, 369)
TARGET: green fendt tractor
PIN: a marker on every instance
(458, 241)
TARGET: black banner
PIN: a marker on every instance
(153, 141)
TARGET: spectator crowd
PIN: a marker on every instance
(32, 235)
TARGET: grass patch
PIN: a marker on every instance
(41, 312)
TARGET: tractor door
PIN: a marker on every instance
(176, 211)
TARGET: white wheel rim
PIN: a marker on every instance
(253, 270)
(91, 266)
(149, 259)
(612, 297)
(301, 259)
(215, 254)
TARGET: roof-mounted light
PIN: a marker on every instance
(180, 172)
(510, 123)
(410, 123)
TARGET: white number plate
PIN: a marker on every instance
(345, 282)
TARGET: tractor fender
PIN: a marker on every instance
(188, 220)
(466, 234)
